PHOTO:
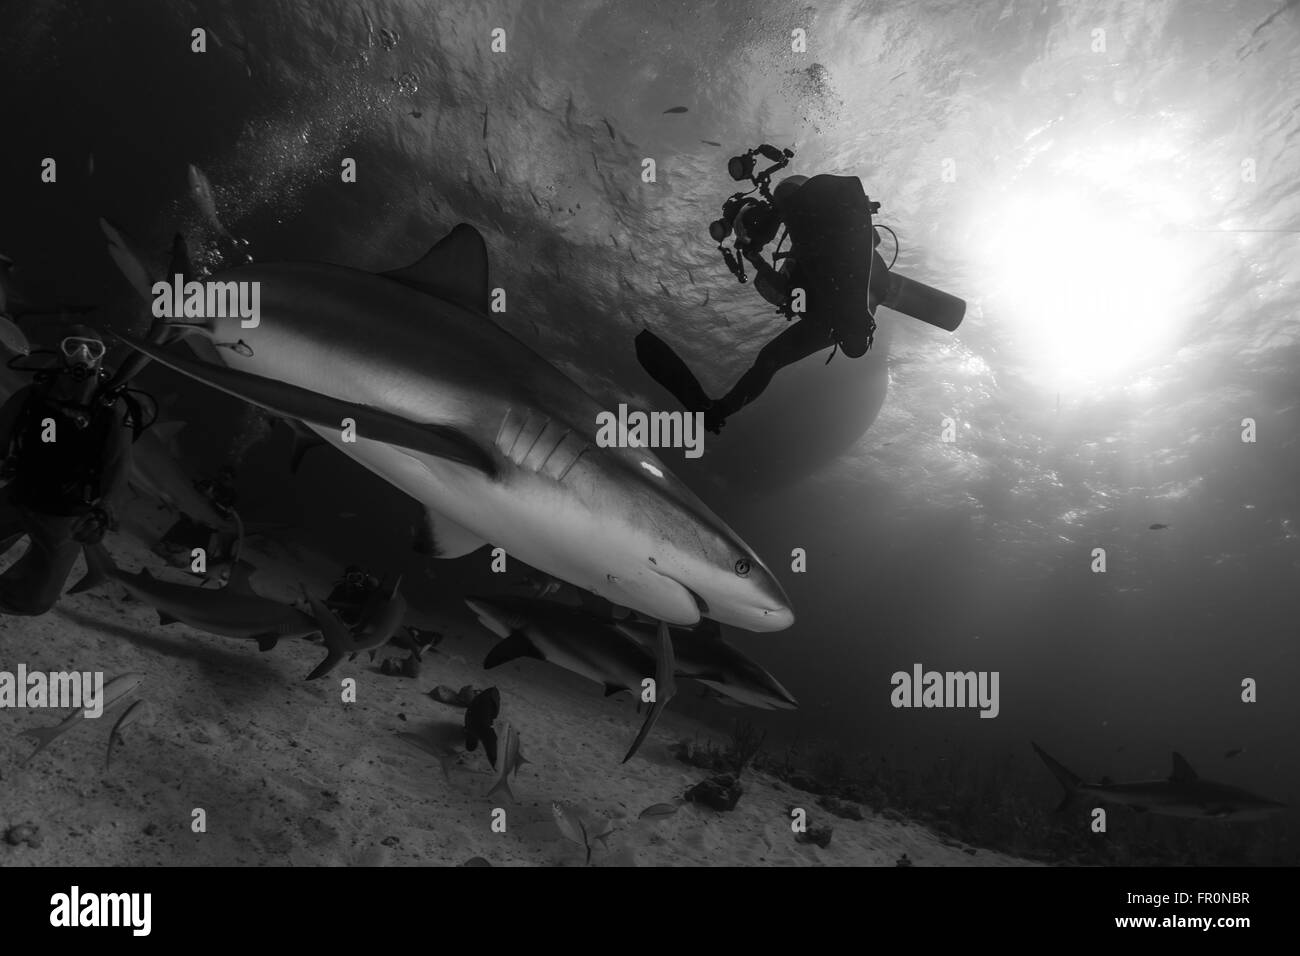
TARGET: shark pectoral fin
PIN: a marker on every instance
(331, 661)
(304, 440)
(665, 665)
(515, 646)
(164, 618)
(503, 784)
(441, 441)
(98, 566)
(266, 642)
(440, 537)
(612, 689)
(455, 269)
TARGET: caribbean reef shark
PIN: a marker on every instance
(156, 471)
(704, 656)
(495, 442)
(1184, 794)
(379, 619)
(235, 610)
(579, 642)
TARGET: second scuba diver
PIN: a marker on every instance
(833, 271)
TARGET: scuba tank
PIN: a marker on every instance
(833, 243)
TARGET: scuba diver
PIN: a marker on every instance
(350, 594)
(67, 452)
(829, 284)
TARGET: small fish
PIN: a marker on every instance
(129, 716)
(201, 189)
(114, 691)
(709, 142)
(1234, 752)
(491, 162)
(664, 287)
(608, 127)
(658, 811)
(675, 109)
(571, 827)
(485, 116)
(594, 163)
(510, 761)
(90, 165)
(479, 715)
(1157, 527)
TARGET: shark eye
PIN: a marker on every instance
(742, 567)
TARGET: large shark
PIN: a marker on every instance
(1184, 794)
(704, 656)
(235, 610)
(495, 442)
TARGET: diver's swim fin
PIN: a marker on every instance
(667, 368)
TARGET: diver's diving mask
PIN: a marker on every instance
(82, 355)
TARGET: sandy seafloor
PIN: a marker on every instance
(289, 775)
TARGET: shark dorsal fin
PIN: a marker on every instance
(455, 269)
(1183, 772)
(240, 581)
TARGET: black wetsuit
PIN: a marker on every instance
(55, 486)
(811, 331)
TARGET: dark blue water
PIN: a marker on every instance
(1119, 208)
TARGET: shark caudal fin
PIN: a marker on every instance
(336, 638)
(44, 736)
(1069, 781)
(99, 568)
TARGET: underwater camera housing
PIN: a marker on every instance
(741, 168)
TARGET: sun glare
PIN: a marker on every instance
(1091, 288)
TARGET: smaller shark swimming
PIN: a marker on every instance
(379, 620)
(1184, 794)
(582, 643)
(155, 470)
(703, 655)
(235, 610)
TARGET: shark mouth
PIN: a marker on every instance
(701, 605)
